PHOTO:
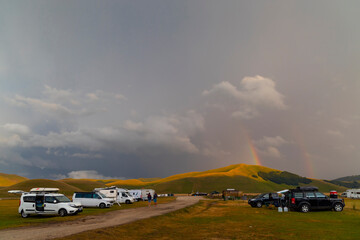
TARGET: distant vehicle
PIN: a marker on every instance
(46, 201)
(93, 199)
(124, 196)
(351, 193)
(199, 194)
(305, 199)
(265, 199)
(141, 194)
(118, 195)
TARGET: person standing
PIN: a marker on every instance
(155, 198)
(149, 199)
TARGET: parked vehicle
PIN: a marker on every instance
(123, 196)
(265, 199)
(46, 201)
(305, 199)
(93, 199)
(109, 192)
(199, 194)
(141, 194)
(351, 193)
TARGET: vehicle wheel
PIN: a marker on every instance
(338, 207)
(62, 212)
(259, 204)
(305, 208)
(102, 205)
(127, 202)
(23, 214)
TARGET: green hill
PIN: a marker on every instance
(27, 185)
(247, 178)
(10, 179)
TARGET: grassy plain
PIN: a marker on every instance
(9, 216)
(236, 220)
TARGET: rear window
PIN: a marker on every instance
(29, 199)
(298, 195)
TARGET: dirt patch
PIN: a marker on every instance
(50, 231)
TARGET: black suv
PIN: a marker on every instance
(265, 199)
(305, 199)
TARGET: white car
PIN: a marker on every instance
(44, 203)
(92, 199)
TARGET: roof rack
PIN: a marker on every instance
(44, 190)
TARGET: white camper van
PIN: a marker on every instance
(351, 193)
(123, 196)
(141, 194)
(118, 195)
(46, 201)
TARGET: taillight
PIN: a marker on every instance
(292, 200)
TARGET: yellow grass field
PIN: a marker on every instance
(236, 220)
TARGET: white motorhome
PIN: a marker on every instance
(351, 193)
(123, 196)
(118, 195)
(141, 194)
(46, 201)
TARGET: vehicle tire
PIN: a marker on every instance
(127, 202)
(102, 205)
(338, 207)
(259, 204)
(23, 214)
(305, 208)
(62, 212)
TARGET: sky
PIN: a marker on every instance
(129, 89)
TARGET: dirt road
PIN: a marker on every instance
(49, 231)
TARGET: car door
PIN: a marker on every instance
(51, 205)
(28, 204)
(323, 201)
(311, 198)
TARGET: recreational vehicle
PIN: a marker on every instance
(351, 193)
(118, 195)
(141, 194)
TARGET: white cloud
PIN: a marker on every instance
(16, 128)
(251, 94)
(68, 103)
(88, 174)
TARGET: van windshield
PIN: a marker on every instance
(62, 199)
(101, 194)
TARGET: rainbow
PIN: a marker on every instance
(253, 152)
(309, 167)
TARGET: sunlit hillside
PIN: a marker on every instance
(10, 179)
(247, 178)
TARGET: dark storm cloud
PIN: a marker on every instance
(152, 88)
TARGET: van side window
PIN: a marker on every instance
(49, 199)
(29, 199)
(87, 195)
(95, 195)
(111, 191)
(320, 195)
(79, 195)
